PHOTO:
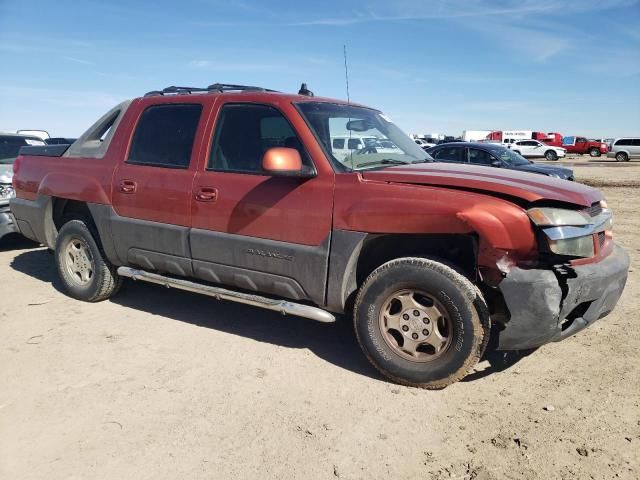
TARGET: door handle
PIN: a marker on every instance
(128, 186)
(206, 194)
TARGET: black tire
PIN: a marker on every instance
(462, 301)
(594, 152)
(551, 155)
(103, 281)
(622, 157)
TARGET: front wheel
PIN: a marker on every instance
(594, 152)
(420, 322)
(551, 155)
(82, 266)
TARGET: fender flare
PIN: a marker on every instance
(73, 186)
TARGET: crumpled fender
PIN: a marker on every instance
(505, 233)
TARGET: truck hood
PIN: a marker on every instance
(530, 187)
(562, 172)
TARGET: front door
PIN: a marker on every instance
(252, 230)
(152, 187)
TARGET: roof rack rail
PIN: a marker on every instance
(215, 87)
(223, 87)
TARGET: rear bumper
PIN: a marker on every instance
(548, 307)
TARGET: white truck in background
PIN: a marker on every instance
(475, 135)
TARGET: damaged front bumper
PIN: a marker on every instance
(547, 306)
(7, 222)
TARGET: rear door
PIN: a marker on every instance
(152, 185)
(255, 231)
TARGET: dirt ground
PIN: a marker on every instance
(161, 384)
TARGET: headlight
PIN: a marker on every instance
(575, 247)
(6, 191)
(556, 217)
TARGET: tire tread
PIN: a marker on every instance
(470, 291)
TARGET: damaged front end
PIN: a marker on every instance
(578, 278)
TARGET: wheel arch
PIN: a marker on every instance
(354, 255)
(98, 215)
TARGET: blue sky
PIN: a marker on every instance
(569, 66)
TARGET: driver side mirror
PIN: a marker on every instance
(285, 162)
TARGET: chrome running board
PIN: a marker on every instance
(282, 306)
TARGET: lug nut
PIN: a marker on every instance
(405, 316)
(425, 332)
(416, 313)
(405, 328)
(414, 336)
(425, 321)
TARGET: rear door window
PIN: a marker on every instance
(450, 154)
(164, 136)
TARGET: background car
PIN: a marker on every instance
(624, 149)
(494, 155)
(536, 149)
(59, 141)
(449, 139)
(425, 143)
(10, 145)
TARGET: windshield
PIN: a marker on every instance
(359, 138)
(10, 147)
(509, 156)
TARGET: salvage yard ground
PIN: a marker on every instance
(162, 384)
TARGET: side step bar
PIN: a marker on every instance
(282, 306)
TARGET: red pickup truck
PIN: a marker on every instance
(579, 145)
(235, 192)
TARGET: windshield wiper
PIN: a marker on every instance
(385, 161)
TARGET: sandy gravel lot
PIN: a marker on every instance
(161, 384)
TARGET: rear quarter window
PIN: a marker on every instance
(164, 135)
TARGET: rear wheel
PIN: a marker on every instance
(82, 266)
(551, 155)
(594, 152)
(621, 157)
(420, 322)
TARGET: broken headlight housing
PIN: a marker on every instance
(573, 247)
(547, 217)
(572, 233)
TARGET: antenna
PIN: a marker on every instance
(346, 71)
(346, 77)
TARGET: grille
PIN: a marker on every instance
(595, 209)
(601, 239)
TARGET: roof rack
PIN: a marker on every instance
(214, 87)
